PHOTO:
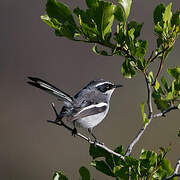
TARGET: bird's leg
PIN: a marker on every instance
(74, 131)
(90, 130)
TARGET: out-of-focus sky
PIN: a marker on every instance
(33, 149)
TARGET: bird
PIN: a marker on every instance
(87, 108)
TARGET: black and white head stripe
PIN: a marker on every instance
(39, 83)
(105, 86)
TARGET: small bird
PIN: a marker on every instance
(87, 108)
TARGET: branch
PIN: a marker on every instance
(175, 173)
(136, 139)
(160, 67)
(151, 59)
(150, 117)
(163, 114)
(59, 122)
(111, 46)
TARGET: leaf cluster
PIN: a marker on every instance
(149, 165)
(164, 95)
(94, 25)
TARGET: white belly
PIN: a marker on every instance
(91, 121)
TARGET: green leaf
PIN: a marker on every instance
(59, 176)
(119, 14)
(102, 167)
(137, 27)
(176, 18)
(127, 70)
(84, 173)
(98, 52)
(92, 3)
(126, 4)
(144, 116)
(50, 22)
(96, 152)
(174, 72)
(151, 77)
(60, 13)
(158, 13)
(107, 18)
(121, 172)
(156, 86)
(179, 106)
(88, 28)
(161, 103)
(141, 49)
(117, 160)
(179, 130)
(102, 14)
(167, 14)
(165, 84)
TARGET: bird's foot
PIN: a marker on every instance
(74, 132)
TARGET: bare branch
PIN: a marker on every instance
(150, 117)
(162, 114)
(175, 173)
(136, 139)
(160, 68)
(151, 59)
(59, 122)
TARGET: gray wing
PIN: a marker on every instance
(89, 110)
(49, 88)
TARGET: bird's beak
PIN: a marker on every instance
(118, 85)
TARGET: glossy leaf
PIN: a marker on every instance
(92, 3)
(151, 77)
(127, 70)
(158, 13)
(61, 19)
(84, 173)
(174, 72)
(167, 14)
(164, 82)
(137, 27)
(176, 19)
(126, 4)
(59, 11)
(119, 14)
(144, 116)
(102, 167)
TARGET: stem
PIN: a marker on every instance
(165, 112)
(160, 68)
(150, 117)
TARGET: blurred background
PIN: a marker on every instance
(31, 148)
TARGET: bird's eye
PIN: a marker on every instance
(103, 88)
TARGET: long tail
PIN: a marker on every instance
(41, 84)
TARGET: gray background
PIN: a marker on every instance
(31, 148)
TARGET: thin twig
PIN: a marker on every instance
(59, 122)
(136, 139)
(175, 173)
(151, 59)
(160, 68)
(162, 114)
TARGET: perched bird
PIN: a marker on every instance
(87, 108)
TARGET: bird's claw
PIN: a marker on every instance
(74, 132)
